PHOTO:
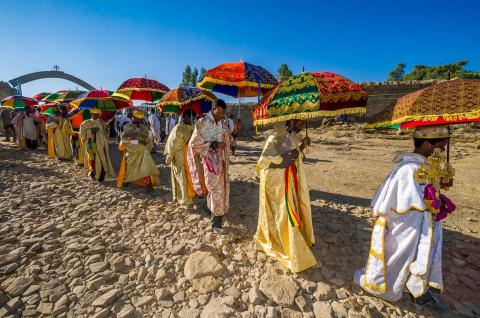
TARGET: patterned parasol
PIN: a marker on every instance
(67, 96)
(448, 102)
(183, 98)
(50, 98)
(238, 79)
(142, 89)
(40, 96)
(309, 95)
(100, 99)
(18, 102)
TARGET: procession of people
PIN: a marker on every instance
(405, 254)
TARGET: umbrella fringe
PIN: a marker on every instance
(448, 117)
(311, 115)
(243, 83)
(137, 89)
(177, 103)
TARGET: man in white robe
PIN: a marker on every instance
(406, 245)
(155, 126)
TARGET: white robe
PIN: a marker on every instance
(406, 245)
(155, 127)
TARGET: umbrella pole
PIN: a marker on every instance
(306, 135)
(239, 103)
(448, 145)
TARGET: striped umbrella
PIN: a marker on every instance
(100, 99)
(238, 79)
(51, 98)
(68, 96)
(180, 99)
(18, 102)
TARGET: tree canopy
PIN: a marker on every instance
(283, 72)
(190, 77)
(438, 72)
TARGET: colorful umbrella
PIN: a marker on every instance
(40, 96)
(183, 98)
(77, 116)
(142, 89)
(18, 102)
(68, 96)
(238, 79)
(448, 102)
(101, 99)
(309, 95)
(53, 96)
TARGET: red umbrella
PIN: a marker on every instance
(142, 89)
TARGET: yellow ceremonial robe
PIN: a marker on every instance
(137, 161)
(75, 142)
(59, 139)
(284, 229)
(97, 154)
(175, 154)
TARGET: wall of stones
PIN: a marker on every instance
(382, 94)
(5, 90)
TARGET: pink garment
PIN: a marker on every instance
(214, 163)
(443, 204)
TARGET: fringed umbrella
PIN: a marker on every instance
(448, 102)
(183, 98)
(238, 79)
(18, 102)
(144, 89)
(310, 95)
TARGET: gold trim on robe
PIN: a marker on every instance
(277, 237)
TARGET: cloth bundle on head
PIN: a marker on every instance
(95, 111)
(431, 132)
(138, 114)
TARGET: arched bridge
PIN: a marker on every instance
(17, 82)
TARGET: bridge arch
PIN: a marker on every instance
(18, 81)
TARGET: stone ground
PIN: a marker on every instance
(70, 247)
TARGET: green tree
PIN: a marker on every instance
(397, 73)
(190, 78)
(202, 73)
(283, 72)
(187, 75)
(194, 77)
(437, 72)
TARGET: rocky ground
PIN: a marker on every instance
(70, 247)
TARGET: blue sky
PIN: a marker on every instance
(107, 42)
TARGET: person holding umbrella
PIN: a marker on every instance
(406, 245)
(285, 230)
(58, 137)
(137, 164)
(211, 141)
(94, 135)
(175, 156)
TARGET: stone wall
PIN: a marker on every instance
(245, 114)
(5, 90)
(382, 94)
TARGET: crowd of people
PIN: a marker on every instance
(405, 251)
